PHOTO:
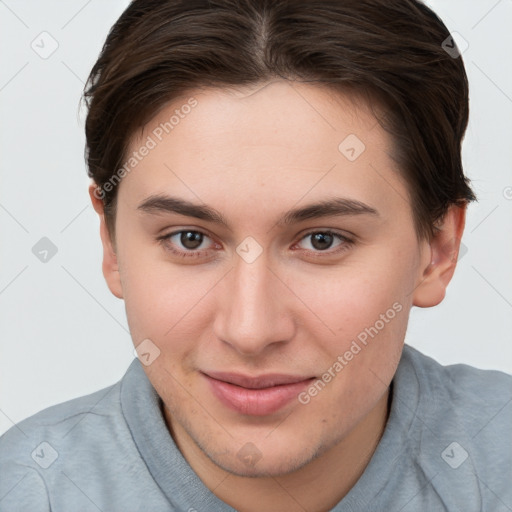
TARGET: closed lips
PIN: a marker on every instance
(256, 396)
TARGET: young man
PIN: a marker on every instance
(278, 184)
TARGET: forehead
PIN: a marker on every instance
(279, 138)
(280, 113)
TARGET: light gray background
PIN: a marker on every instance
(64, 335)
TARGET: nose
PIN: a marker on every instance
(254, 308)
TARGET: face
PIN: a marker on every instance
(271, 327)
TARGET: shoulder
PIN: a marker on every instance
(81, 454)
(29, 448)
(462, 386)
(61, 419)
(462, 428)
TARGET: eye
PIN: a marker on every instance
(186, 243)
(322, 241)
(193, 243)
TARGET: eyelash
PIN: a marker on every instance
(346, 243)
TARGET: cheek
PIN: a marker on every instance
(147, 292)
(164, 302)
(354, 296)
(369, 313)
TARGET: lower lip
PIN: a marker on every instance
(256, 402)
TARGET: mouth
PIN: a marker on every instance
(256, 396)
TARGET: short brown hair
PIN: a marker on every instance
(388, 50)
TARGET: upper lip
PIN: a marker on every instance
(256, 382)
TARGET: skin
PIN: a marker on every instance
(253, 154)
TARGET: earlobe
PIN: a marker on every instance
(444, 250)
(110, 265)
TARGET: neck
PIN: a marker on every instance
(317, 487)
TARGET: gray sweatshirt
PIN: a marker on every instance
(447, 446)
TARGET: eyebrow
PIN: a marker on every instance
(339, 206)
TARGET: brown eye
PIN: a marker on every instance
(321, 241)
(324, 244)
(191, 239)
(187, 243)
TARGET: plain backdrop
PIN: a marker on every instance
(64, 335)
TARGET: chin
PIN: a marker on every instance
(269, 461)
(265, 467)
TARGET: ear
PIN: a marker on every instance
(444, 252)
(110, 266)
